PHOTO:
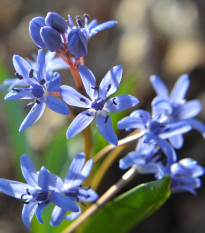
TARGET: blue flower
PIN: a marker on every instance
(97, 104)
(41, 86)
(72, 188)
(184, 175)
(175, 107)
(78, 36)
(39, 192)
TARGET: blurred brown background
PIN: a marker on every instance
(163, 37)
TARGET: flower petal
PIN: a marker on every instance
(63, 202)
(159, 87)
(189, 109)
(177, 141)
(87, 195)
(28, 212)
(41, 73)
(43, 178)
(58, 215)
(34, 114)
(19, 93)
(28, 170)
(120, 103)
(73, 216)
(104, 125)
(74, 98)
(56, 105)
(13, 188)
(180, 88)
(39, 211)
(110, 82)
(89, 81)
(80, 123)
(54, 83)
(197, 125)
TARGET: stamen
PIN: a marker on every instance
(82, 100)
(114, 101)
(23, 201)
(95, 88)
(106, 119)
(46, 202)
(15, 89)
(27, 190)
(31, 73)
(108, 88)
(88, 114)
(42, 81)
(86, 16)
(37, 101)
(79, 21)
(18, 76)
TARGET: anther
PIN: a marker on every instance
(31, 73)
(15, 89)
(27, 190)
(46, 202)
(95, 88)
(82, 100)
(42, 81)
(108, 88)
(106, 119)
(114, 102)
(24, 202)
(18, 76)
(37, 101)
(79, 21)
(88, 114)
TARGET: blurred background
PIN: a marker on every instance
(163, 37)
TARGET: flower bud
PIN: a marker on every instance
(77, 43)
(35, 26)
(51, 38)
(57, 22)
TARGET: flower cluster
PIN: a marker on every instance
(172, 116)
(44, 187)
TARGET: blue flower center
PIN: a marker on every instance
(37, 91)
(98, 104)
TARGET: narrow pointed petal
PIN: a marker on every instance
(87, 169)
(89, 81)
(160, 105)
(102, 26)
(41, 73)
(34, 114)
(93, 23)
(56, 105)
(80, 123)
(197, 125)
(54, 84)
(22, 93)
(120, 103)
(180, 88)
(39, 211)
(28, 170)
(74, 98)
(190, 109)
(73, 216)
(13, 188)
(28, 213)
(87, 195)
(177, 141)
(104, 126)
(63, 202)
(110, 82)
(131, 123)
(159, 87)
(43, 178)
(74, 172)
(58, 215)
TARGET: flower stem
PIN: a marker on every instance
(112, 191)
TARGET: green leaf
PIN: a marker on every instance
(125, 211)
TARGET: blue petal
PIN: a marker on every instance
(56, 105)
(102, 26)
(159, 105)
(87, 195)
(197, 125)
(80, 123)
(189, 109)
(120, 103)
(93, 23)
(89, 81)
(73, 177)
(56, 64)
(22, 93)
(58, 215)
(77, 43)
(41, 73)
(28, 170)
(72, 216)
(159, 87)
(177, 141)
(13, 188)
(43, 178)
(51, 38)
(74, 98)
(87, 169)
(28, 212)
(54, 83)
(180, 88)
(104, 126)
(56, 21)
(63, 202)
(131, 123)
(34, 114)
(34, 30)
(39, 211)
(110, 82)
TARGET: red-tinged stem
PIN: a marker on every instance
(63, 57)
(82, 62)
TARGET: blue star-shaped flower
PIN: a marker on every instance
(72, 188)
(41, 86)
(41, 189)
(175, 107)
(97, 104)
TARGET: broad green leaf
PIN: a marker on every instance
(125, 211)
